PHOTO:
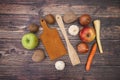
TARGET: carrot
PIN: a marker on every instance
(90, 57)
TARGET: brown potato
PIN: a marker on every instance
(69, 17)
(38, 56)
(33, 28)
(50, 19)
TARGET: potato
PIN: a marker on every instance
(33, 27)
(38, 56)
(69, 17)
(50, 19)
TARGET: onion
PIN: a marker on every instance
(82, 47)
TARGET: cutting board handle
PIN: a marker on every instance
(44, 24)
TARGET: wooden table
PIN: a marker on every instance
(15, 61)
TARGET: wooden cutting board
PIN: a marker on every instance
(52, 41)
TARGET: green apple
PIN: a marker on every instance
(29, 41)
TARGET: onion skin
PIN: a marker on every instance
(85, 19)
(82, 48)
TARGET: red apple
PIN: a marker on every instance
(87, 34)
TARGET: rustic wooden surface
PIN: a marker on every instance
(15, 61)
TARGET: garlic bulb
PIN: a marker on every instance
(60, 65)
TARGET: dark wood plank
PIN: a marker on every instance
(16, 62)
(13, 51)
(107, 32)
(28, 72)
(24, 20)
(97, 11)
(18, 9)
(70, 2)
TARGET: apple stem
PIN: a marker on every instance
(27, 40)
(88, 35)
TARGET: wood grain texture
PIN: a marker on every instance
(52, 41)
(74, 58)
(16, 62)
